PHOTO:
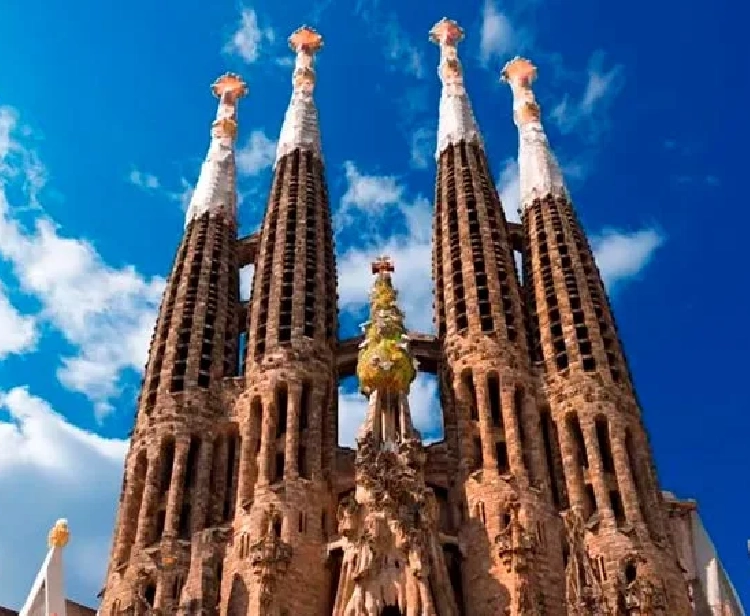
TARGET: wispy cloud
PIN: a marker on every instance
(500, 37)
(509, 188)
(398, 47)
(249, 39)
(257, 154)
(423, 148)
(105, 313)
(587, 113)
(622, 256)
(147, 181)
(42, 461)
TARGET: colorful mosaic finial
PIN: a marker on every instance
(306, 39)
(300, 128)
(539, 171)
(385, 362)
(59, 535)
(231, 84)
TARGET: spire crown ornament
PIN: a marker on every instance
(305, 39)
(447, 32)
(385, 361)
(229, 85)
(59, 535)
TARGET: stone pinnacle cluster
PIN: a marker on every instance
(541, 499)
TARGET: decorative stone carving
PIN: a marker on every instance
(583, 589)
(646, 594)
(269, 557)
(515, 543)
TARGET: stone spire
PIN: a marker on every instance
(386, 367)
(456, 119)
(539, 170)
(215, 190)
(300, 128)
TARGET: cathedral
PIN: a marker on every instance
(541, 499)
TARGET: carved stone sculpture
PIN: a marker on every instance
(583, 590)
(269, 557)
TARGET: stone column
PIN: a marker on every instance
(149, 503)
(315, 429)
(628, 490)
(571, 468)
(176, 487)
(291, 442)
(485, 422)
(245, 475)
(596, 471)
(201, 505)
(513, 435)
(267, 441)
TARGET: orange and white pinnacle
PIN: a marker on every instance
(539, 172)
(300, 129)
(215, 191)
(456, 120)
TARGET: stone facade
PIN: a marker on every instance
(542, 498)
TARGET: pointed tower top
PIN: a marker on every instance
(385, 362)
(539, 171)
(229, 84)
(456, 121)
(215, 189)
(300, 128)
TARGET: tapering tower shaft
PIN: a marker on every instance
(609, 474)
(288, 429)
(489, 390)
(165, 498)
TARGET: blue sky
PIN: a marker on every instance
(104, 118)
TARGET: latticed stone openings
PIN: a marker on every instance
(541, 499)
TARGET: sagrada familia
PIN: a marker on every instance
(541, 500)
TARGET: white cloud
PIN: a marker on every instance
(256, 155)
(401, 50)
(499, 38)
(377, 196)
(586, 113)
(106, 313)
(424, 405)
(51, 469)
(18, 332)
(147, 181)
(248, 40)
(622, 256)
(422, 148)
(509, 187)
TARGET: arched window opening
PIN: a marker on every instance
(605, 445)
(574, 426)
(282, 406)
(590, 503)
(470, 394)
(553, 458)
(232, 470)
(493, 393)
(304, 406)
(166, 459)
(478, 455)
(191, 464)
(149, 593)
